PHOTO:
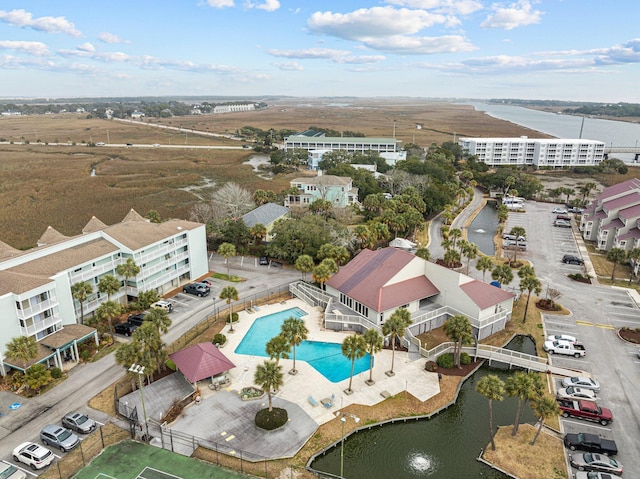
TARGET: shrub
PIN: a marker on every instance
(445, 360)
(219, 339)
(465, 359)
(270, 420)
(234, 316)
(56, 373)
(431, 366)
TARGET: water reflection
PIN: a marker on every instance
(483, 228)
(444, 447)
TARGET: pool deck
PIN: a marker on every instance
(409, 375)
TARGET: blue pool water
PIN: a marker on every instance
(326, 358)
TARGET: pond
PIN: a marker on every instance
(444, 447)
(483, 228)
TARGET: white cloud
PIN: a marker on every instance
(32, 48)
(289, 66)
(405, 45)
(312, 53)
(515, 15)
(107, 37)
(268, 5)
(455, 7)
(374, 22)
(22, 18)
(360, 59)
(220, 3)
(87, 47)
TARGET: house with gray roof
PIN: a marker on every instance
(266, 215)
(367, 291)
(35, 285)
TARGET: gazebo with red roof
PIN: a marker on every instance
(201, 361)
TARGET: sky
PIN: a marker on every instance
(579, 50)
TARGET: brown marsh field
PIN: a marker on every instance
(52, 185)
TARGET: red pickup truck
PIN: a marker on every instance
(584, 409)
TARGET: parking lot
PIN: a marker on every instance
(597, 313)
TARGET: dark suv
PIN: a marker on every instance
(137, 319)
(199, 289)
(125, 328)
(570, 259)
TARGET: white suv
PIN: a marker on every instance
(33, 455)
(166, 305)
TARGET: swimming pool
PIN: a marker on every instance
(326, 358)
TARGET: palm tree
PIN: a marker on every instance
(374, 344)
(152, 350)
(526, 387)
(503, 213)
(616, 256)
(451, 257)
(353, 347)
(258, 232)
(321, 274)
(526, 270)
(459, 329)
(543, 408)
(229, 294)
(107, 311)
(278, 347)
(484, 264)
(395, 327)
(305, 265)
(423, 253)
(529, 284)
(81, 292)
(37, 376)
(159, 318)
(491, 387)
(470, 251)
(268, 377)
(502, 273)
(129, 269)
(454, 234)
(22, 348)
(586, 190)
(294, 331)
(227, 250)
(109, 284)
(517, 231)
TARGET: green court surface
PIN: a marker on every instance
(133, 460)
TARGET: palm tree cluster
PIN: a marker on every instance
(529, 283)
(456, 247)
(528, 388)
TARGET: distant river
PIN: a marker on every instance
(613, 133)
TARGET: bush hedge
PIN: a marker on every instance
(465, 359)
(445, 360)
(270, 420)
(219, 339)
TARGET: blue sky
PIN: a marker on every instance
(582, 50)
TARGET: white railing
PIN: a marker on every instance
(39, 326)
(94, 272)
(37, 308)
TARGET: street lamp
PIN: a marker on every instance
(343, 418)
(139, 370)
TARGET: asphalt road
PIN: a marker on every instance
(597, 312)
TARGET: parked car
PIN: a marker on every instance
(563, 217)
(79, 423)
(507, 236)
(562, 224)
(126, 328)
(9, 471)
(565, 347)
(33, 455)
(592, 475)
(264, 261)
(166, 305)
(100, 143)
(590, 461)
(575, 210)
(198, 289)
(571, 259)
(137, 319)
(591, 443)
(59, 437)
(560, 211)
(576, 393)
(583, 409)
(582, 382)
(208, 282)
(561, 337)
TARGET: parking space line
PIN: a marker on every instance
(582, 424)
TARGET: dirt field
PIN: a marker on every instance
(45, 185)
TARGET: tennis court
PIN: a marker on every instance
(129, 459)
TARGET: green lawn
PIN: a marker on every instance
(127, 459)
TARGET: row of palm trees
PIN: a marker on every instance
(528, 388)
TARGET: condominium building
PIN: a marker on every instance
(313, 141)
(612, 220)
(35, 285)
(553, 153)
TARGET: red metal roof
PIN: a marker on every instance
(485, 295)
(365, 279)
(201, 361)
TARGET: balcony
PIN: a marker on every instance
(94, 272)
(33, 329)
(37, 308)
